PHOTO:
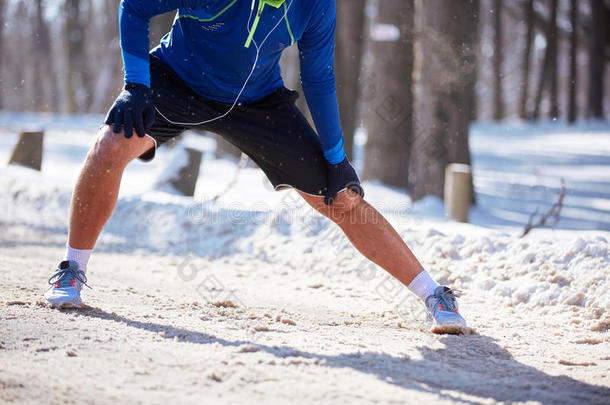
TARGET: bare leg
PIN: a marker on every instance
(370, 233)
(97, 187)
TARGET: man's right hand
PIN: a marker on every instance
(133, 109)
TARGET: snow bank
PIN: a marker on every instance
(517, 168)
(516, 171)
(549, 271)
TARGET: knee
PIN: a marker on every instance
(110, 149)
(347, 204)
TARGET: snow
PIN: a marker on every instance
(258, 242)
(519, 168)
(547, 269)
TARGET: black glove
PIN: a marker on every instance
(341, 176)
(133, 109)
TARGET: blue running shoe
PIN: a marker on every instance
(443, 310)
(66, 284)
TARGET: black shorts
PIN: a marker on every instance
(272, 131)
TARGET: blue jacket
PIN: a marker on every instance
(211, 49)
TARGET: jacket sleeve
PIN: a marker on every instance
(317, 48)
(134, 18)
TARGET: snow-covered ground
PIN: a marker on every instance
(314, 321)
(519, 168)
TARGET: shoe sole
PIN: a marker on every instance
(70, 305)
(66, 304)
(452, 330)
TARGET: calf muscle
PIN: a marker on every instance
(370, 233)
(97, 187)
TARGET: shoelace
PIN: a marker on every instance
(63, 277)
(447, 300)
(444, 301)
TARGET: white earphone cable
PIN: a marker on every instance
(258, 48)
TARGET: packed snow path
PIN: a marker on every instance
(156, 332)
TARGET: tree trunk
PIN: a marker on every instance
(541, 83)
(2, 3)
(37, 58)
(446, 64)
(159, 26)
(290, 66)
(525, 78)
(389, 97)
(78, 85)
(553, 51)
(348, 56)
(20, 66)
(110, 78)
(573, 72)
(43, 68)
(597, 39)
(498, 62)
(548, 74)
(225, 149)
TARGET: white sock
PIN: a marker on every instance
(79, 256)
(423, 285)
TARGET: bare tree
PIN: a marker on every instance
(446, 61)
(290, 66)
(78, 85)
(550, 218)
(17, 69)
(540, 19)
(553, 52)
(528, 10)
(43, 69)
(548, 74)
(573, 72)
(2, 3)
(110, 77)
(597, 59)
(348, 56)
(387, 111)
(498, 61)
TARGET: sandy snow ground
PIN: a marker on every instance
(153, 333)
(253, 297)
(312, 322)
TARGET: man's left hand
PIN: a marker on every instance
(341, 176)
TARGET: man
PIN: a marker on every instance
(217, 70)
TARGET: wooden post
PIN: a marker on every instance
(28, 151)
(226, 149)
(457, 191)
(181, 173)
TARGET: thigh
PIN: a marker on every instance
(276, 136)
